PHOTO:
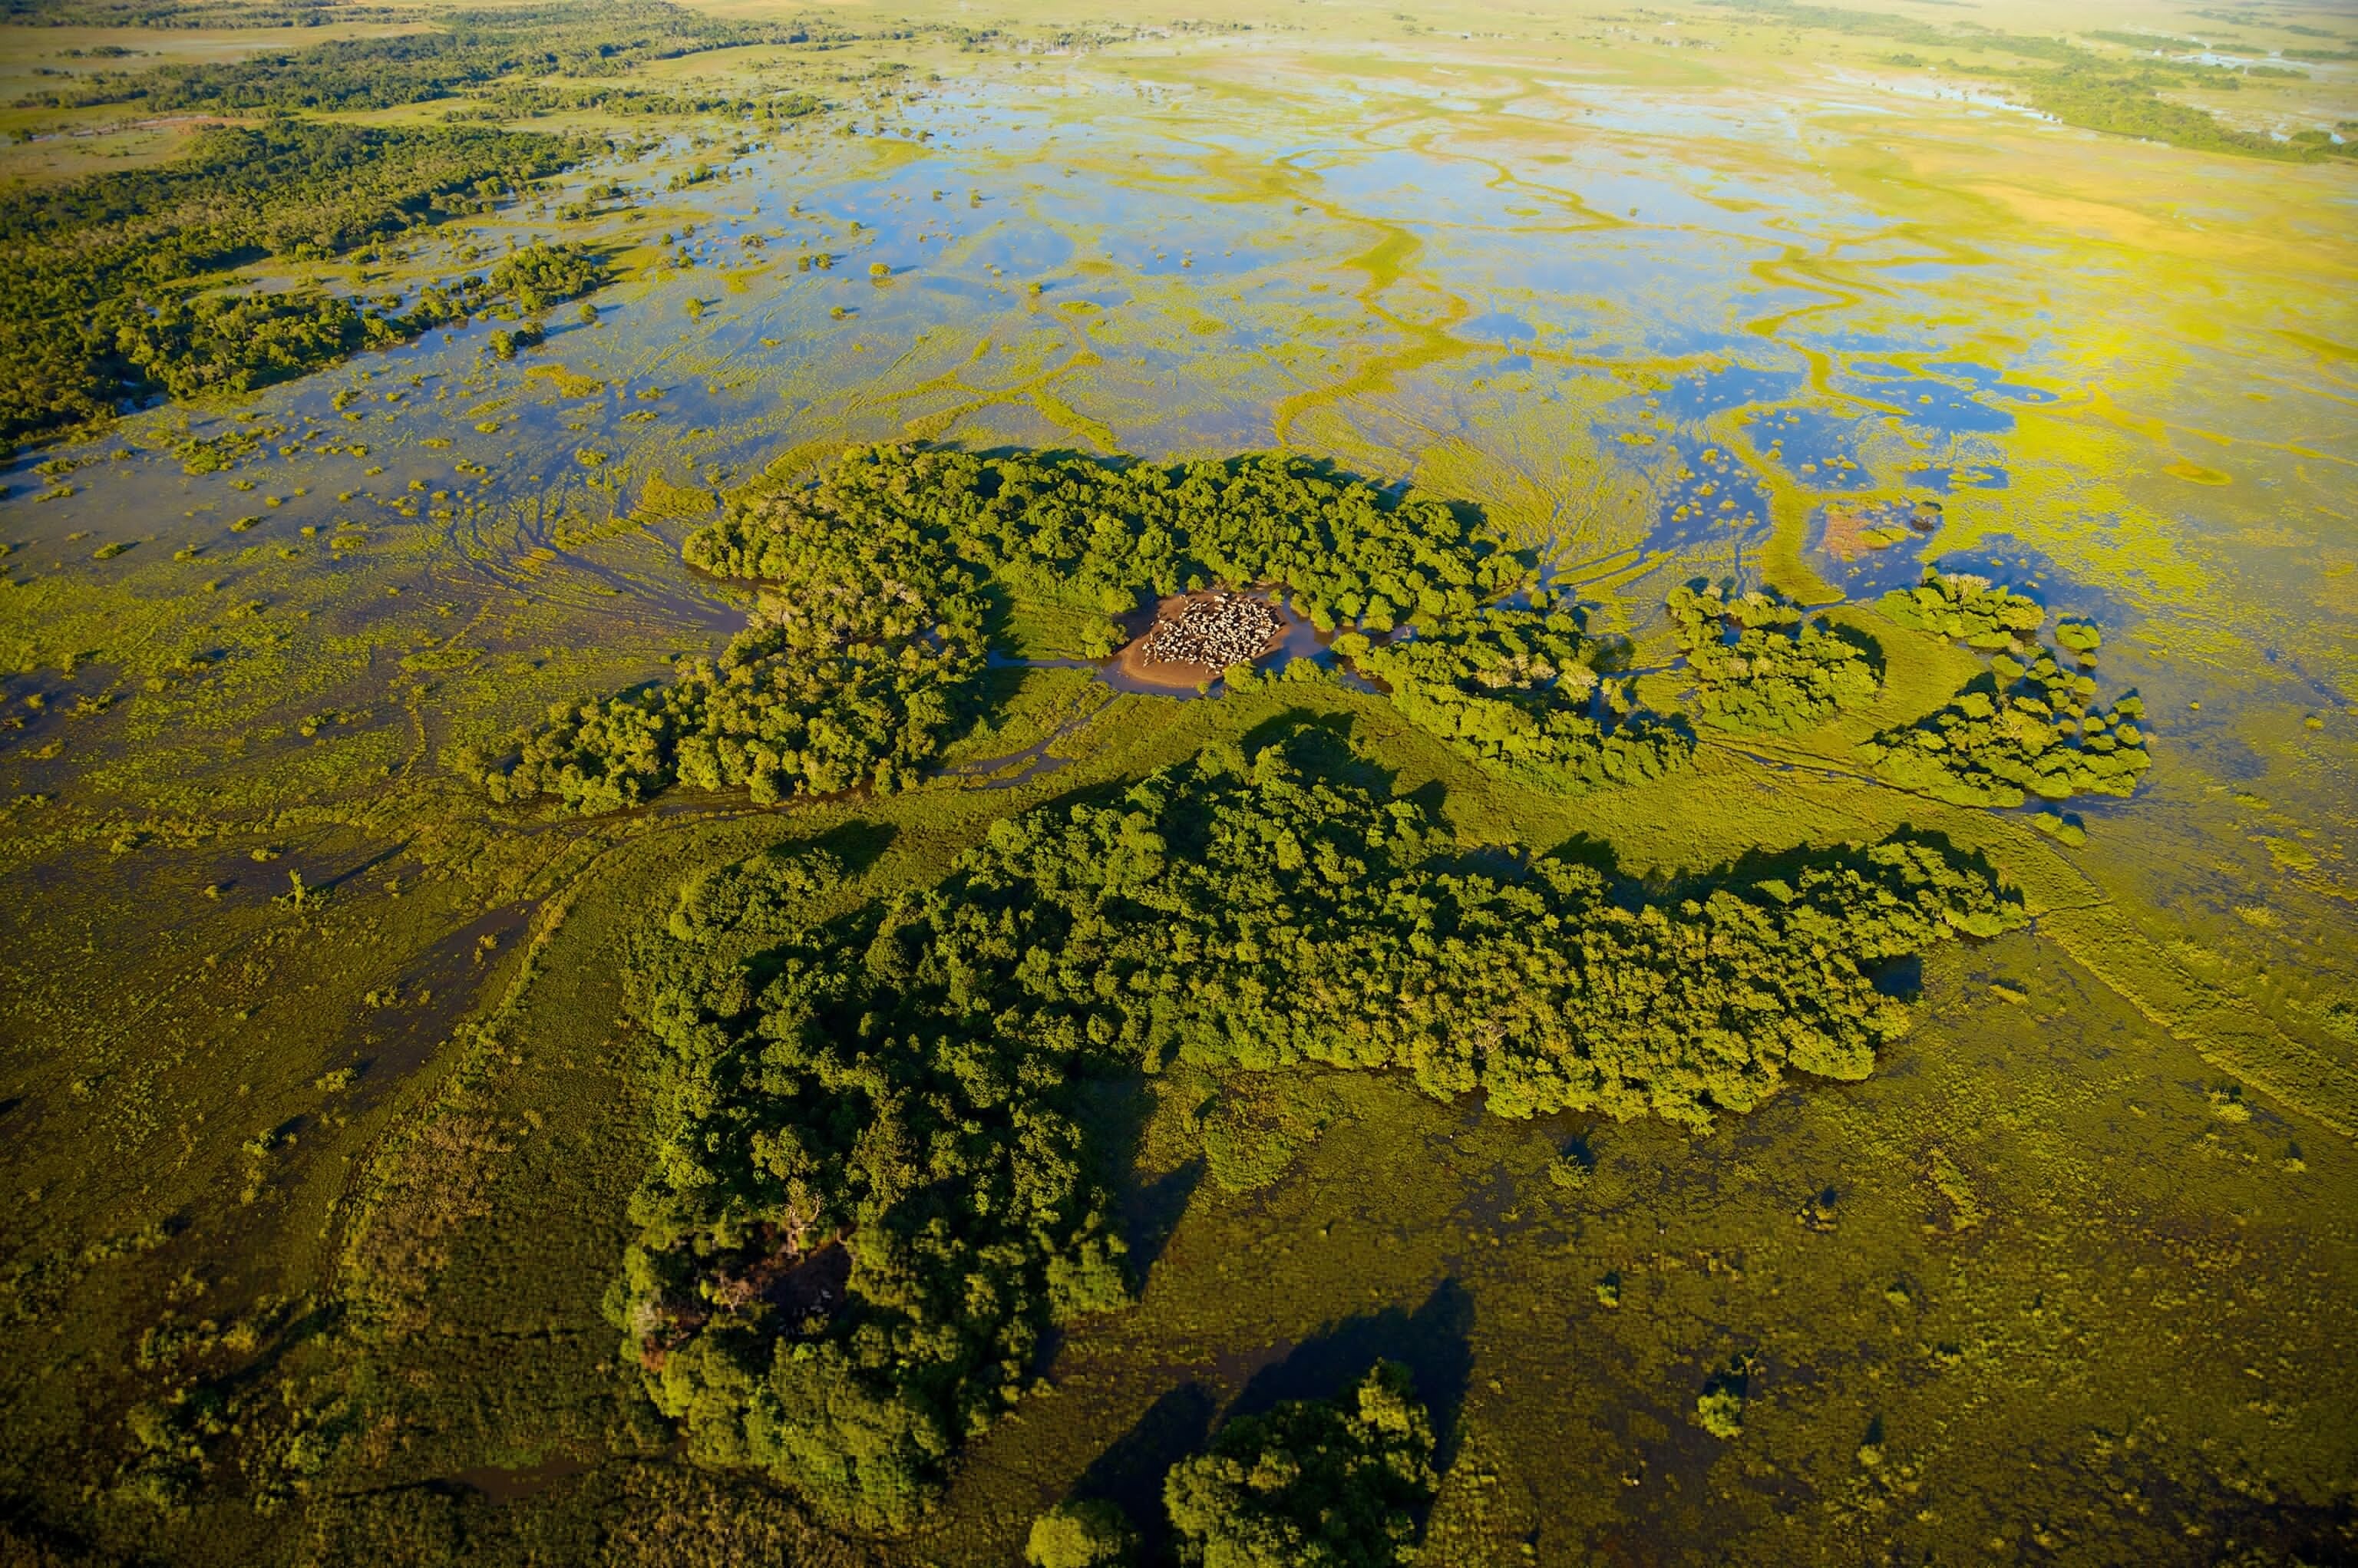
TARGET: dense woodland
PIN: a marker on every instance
(108, 277)
(873, 1195)
(881, 578)
(1520, 689)
(2028, 726)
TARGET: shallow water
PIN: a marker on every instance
(1576, 302)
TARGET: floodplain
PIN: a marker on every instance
(1786, 480)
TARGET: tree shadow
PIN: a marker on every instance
(1760, 864)
(1586, 849)
(1869, 646)
(1902, 979)
(1150, 1214)
(857, 844)
(1113, 1111)
(1434, 1343)
(1130, 1473)
(1319, 745)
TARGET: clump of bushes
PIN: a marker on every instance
(1520, 690)
(2025, 727)
(1760, 664)
(1312, 1484)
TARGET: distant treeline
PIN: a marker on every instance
(541, 98)
(106, 278)
(205, 14)
(2078, 86)
(466, 50)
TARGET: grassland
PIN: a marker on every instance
(325, 1090)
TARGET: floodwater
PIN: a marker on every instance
(1656, 331)
(1648, 368)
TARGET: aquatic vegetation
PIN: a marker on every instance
(870, 1199)
(1760, 663)
(1312, 1483)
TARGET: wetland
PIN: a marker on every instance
(1318, 785)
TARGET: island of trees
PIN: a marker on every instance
(872, 1198)
(878, 581)
(2028, 726)
(1759, 662)
(1340, 1483)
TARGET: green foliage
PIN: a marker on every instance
(106, 276)
(872, 1199)
(1719, 1409)
(1080, 1535)
(1966, 609)
(869, 1202)
(1519, 689)
(235, 343)
(1310, 1483)
(1758, 664)
(1094, 535)
(2028, 726)
(2098, 99)
(540, 276)
(855, 666)
(850, 676)
(466, 50)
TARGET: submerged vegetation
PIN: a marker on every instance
(873, 1197)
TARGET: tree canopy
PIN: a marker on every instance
(1519, 689)
(1310, 1483)
(2027, 726)
(108, 277)
(878, 581)
(1760, 663)
(871, 1196)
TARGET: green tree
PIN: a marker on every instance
(1080, 1535)
(1311, 1484)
